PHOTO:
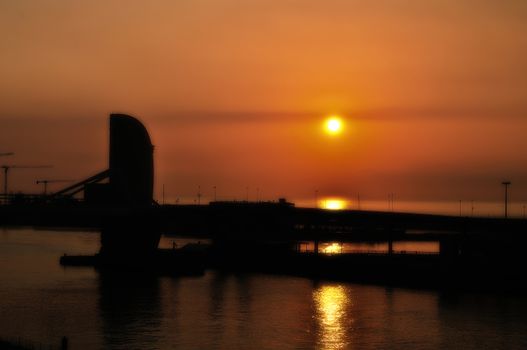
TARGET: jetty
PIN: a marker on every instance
(264, 236)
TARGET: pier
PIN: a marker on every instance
(264, 236)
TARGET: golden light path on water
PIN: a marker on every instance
(332, 316)
(333, 248)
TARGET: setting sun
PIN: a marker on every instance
(333, 125)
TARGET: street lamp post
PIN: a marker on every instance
(506, 184)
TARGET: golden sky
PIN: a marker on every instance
(433, 93)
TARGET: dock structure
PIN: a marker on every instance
(120, 198)
(118, 201)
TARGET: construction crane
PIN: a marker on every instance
(46, 182)
(7, 167)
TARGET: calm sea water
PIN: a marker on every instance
(41, 301)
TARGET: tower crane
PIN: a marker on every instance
(7, 167)
(47, 181)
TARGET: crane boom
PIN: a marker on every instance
(7, 167)
(46, 182)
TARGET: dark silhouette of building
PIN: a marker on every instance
(124, 191)
(131, 161)
(131, 170)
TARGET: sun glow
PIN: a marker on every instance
(333, 125)
(334, 204)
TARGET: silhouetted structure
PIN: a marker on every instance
(263, 235)
(49, 181)
(131, 162)
(130, 173)
(506, 184)
(125, 190)
(8, 167)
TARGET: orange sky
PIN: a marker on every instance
(434, 93)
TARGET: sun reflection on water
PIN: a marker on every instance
(331, 305)
(333, 248)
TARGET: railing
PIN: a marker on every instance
(18, 343)
(23, 198)
(372, 252)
